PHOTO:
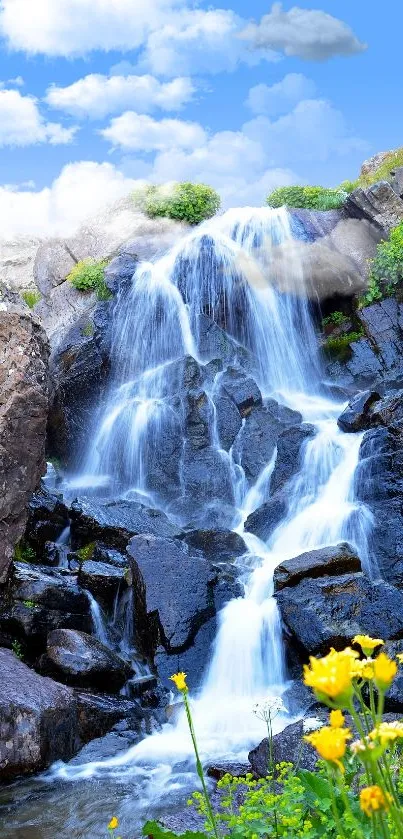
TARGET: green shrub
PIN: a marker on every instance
(340, 347)
(183, 201)
(383, 172)
(31, 296)
(30, 604)
(387, 267)
(89, 275)
(86, 552)
(88, 330)
(307, 197)
(17, 649)
(349, 186)
(335, 319)
(24, 553)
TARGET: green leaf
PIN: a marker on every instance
(315, 786)
(156, 830)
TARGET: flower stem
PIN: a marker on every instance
(199, 768)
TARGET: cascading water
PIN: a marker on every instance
(231, 270)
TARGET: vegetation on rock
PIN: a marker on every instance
(339, 346)
(308, 197)
(383, 173)
(31, 296)
(24, 553)
(386, 274)
(335, 319)
(188, 202)
(89, 275)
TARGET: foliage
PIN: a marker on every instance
(17, 649)
(387, 267)
(30, 604)
(335, 319)
(88, 330)
(86, 552)
(356, 789)
(340, 347)
(307, 197)
(89, 275)
(31, 296)
(181, 201)
(24, 553)
(349, 186)
(383, 172)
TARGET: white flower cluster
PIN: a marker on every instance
(269, 708)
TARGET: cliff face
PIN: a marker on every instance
(23, 417)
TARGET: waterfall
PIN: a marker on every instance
(231, 270)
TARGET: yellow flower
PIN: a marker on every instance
(363, 669)
(367, 644)
(336, 719)
(330, 743)
(113, 824)
(384, 671)
(399, 657)
(331, 676)
(373, 799)
(180, 681)
(387, 732)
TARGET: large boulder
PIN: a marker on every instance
(356, 416)
(103, 580)
(38, 719)
(79, 659)
(23, 415)
(288, 746)
(378, 204)
(263, 521)
(115, 522)
(290, 446)
(332, 561)
(256, 442)
(48, 517)
(328, 611)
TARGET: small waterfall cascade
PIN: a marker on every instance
(240, 272)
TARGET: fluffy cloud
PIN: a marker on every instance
(280, 97)
(21, 123)
(78, 193)
(138, 132)
(95, 95)
(310, 34)
(73, 27)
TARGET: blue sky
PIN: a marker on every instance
(95, 95)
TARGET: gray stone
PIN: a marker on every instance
(379, 204)
(288, 746)
(79, 659)
(336, 560)
(397, 180)
(115, 522)
(355, 416)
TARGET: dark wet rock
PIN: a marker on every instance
(388, 411)
(81, 660)
(299, 699)
(289, 454)
(263, 521)
(242, 390)
(115, 522)
(335, 560)
(109, 555)
(79, 370)
(103, 580)
(356, 416)
(216, 545)
(48, 517)
(379, 484)
(215, 343)
(198, 419)
(206, 475)
(38, 719)
(328, 611)
(220, 768)
(228, 420)
(23, 414)
(40, 599)
(378, 203)
(288, 746)
(57, 556)
(257, 440)
(106, 747)
(119, 272)
(97, 714)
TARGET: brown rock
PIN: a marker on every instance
(23, 415)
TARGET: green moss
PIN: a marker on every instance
(307, 197)
(30, 604)
(340, 347)
(86, 552)
(88, 330)
(335, 319)
(89, 275)
(31, 296)
(188, 202)
(17, 649)
(24, 553)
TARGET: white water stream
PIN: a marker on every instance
(230, 268)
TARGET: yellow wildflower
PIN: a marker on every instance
(384, 671)
(330, 743)
(331, 676)
(363, 669)
(113, 824)
(373, 799)
(387, 732)
(368, 644)
(180, 681)
(399, 657)
(336, 719)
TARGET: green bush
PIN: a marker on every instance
(183, 201)
(335, 319)
(307, 197)
(24, 553)
(387, 267)
(89, 275)
(340, 347)
(31, 296)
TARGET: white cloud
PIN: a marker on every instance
(21, 123)
(310, 34)
(198, 41)
(96, 95)
(280, 97)
(75, 27)
(139, 132)
(79, 192)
